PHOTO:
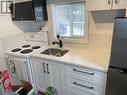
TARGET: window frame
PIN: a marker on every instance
(73, 39)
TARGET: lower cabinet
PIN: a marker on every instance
(77, 92)
(67, 79)
(83, 81)
(46, 74)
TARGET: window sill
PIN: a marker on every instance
(72, 40)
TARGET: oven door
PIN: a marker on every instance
(22, 70)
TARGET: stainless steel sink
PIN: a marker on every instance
(55, 52)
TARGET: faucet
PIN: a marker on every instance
(60, 43)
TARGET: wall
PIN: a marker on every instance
(7, 28)
(10, 35)
(7, 43)
(2, 58)
(100, 28)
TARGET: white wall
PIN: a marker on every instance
(7, 43)
(10, 35)
(2, 58)
(100, 28)
(7, 28)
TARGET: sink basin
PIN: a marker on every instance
(55, 52)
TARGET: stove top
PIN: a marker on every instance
(36, 47)
(26, 51)
(26, 46)
(16, 50)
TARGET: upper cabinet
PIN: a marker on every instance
(119, 4)
(94, 5)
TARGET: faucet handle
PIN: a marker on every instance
(58, 36)
(53, 42)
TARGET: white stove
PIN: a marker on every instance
(19, 62)
(23, 51)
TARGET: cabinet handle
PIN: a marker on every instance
(47, 69)
(83, 85)
(116, 1)
(83, 72)
(109, 2)
(44, 68)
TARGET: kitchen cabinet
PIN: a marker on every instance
(39, 73)
(77, 92)
(46, 74)
(83, 81)
(94, 5)
(68, 79)
(119, 4)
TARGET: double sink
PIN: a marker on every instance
(55, 52)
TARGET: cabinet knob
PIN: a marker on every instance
(109, 2)
(116, 1)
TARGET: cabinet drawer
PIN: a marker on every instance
(82, 85)
(77, 92)
(86, 74)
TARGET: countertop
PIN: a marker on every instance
(93, 58)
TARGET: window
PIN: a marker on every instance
(69, 20)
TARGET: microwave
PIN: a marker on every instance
(35, 10)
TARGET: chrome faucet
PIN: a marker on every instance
(60, 43)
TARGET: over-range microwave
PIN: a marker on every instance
(35, 10)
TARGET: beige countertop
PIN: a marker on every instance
(93, 58)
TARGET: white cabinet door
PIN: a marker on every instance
(46, 74)
(119, 4)
(93, 5)
(53, 76)
(39, 73)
